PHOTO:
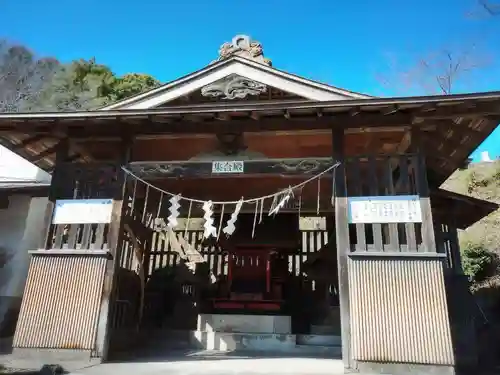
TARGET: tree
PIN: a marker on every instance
(478, 262)
(30, 84)
(85, 85)
(22, 77)
(490, 7)
(80, 85)
(131, 84)
(437, 73)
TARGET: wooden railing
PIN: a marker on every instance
(163, 255)
(76, 182)
(78, 237)
(388, 176)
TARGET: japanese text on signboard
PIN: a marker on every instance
(227, 167)
(395, 209)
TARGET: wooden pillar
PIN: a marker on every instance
(115, 241)
(428, 238)
(342, 242)
(55, 190)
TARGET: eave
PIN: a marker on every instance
(38, 189)
(460, 210)
(453, 126)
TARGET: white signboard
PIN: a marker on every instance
(390, 209)
(82, 211)
(228, 166)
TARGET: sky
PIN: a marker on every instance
(357, 45)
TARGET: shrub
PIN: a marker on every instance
(478, 262)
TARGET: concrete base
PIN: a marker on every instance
(34, 359)
(277, 324)
(33, 365)
(225, 341)
(404, 368)
(319, 340)
(268, 342)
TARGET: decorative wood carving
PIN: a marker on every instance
(241, 45)
(303, 165)
(233, 87)
(152, 170)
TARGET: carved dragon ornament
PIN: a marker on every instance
(235, 86)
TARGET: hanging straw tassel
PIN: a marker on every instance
(188, 219)
(300, 202)
(261, 209)
(159, 205)
(319, 195)
(220, 222)
(132, 208)
(255, 218)
(334, 193)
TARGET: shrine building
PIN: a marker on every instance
(244, 208)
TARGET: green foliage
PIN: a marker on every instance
(478, 262)
(473, 182)
(131, 84)
(31, 84)
(79, 85)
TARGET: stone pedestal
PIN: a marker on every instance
(230, 323)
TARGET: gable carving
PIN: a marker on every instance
(242, 45)
(233, 87)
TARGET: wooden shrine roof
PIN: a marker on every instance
(453, 126)
(462, 209)
(33, 188)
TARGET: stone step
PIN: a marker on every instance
(328, 346)
(325, 329)
(231, 341)
(245, 323)
(319, 340)
(318, 350)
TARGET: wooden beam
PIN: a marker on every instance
(29, 141)
(222, 117)
(465, 131)
(446, 138)
(200, 169)
(455, 111)
(74, 146)
(354, 111)
(390, 110)
(47, 152)
(369, 122)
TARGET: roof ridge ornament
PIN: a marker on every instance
(242, 45)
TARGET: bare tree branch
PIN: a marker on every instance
(437, 73)
(22, 77)
(490, 7)
(485, 9)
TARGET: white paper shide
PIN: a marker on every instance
(82, 211)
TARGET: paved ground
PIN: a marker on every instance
(274, 366)
(198, 363)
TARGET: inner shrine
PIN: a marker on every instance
(244, 208)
